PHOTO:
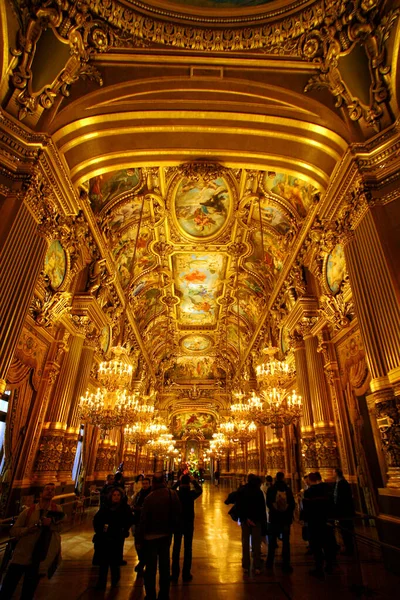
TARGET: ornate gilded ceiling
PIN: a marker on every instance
(197, 250)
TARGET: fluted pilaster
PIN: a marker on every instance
(325, 437)
(82, 380)
(377, 301)
(22, 259)
(59, 409)
(309, 456)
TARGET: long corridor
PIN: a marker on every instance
(217, 572)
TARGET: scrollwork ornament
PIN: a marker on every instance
(336, 310)
(51, 308)
(344, 26)
(72, 23)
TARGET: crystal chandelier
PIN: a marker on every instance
(111, 405)
(278, 409)
(221, 442)
(116, 373)
(239, 431)
(273, 373)
(106, 410)
(141, 433)
(160, 445)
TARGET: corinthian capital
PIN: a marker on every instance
(305, 326)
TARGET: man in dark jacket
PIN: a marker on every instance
(187, 497)
(250, 504)
(344, 510)
(161, 513)
(281, 505)
(317, 508)
(136, 510)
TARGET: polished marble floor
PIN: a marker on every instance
(217, 572)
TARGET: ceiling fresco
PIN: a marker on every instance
(198, 285)
(197, 254)
(184, 423)
(202, 209)
(108, 186)
(196, 343)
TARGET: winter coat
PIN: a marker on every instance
(27, 540)
(111, 525)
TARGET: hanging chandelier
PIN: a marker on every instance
(278, 409)
(160, 445)
(239, 431)
(221, 442)
(115, 373)
(111, 405)
(141, 433)
(272, 372)
(106, 410)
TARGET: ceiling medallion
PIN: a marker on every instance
(202, 204)
(196, 343)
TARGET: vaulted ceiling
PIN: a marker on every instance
(193, 258)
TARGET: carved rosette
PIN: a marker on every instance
(50, 450)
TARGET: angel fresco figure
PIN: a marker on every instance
(201, 207)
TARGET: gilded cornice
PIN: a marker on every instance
(277, 34)
(376, 161)
(208, 16)
(26, 152)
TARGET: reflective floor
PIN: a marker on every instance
(217, 572)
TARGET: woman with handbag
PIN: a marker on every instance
(111, 524)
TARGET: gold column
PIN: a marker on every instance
(325, 437)
(310, 461)
(22, 259)
(82, 381)
(56, 440)
(73, 422)
(377, 300)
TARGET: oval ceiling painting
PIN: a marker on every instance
(196, 343)
(202, 208)
(55, 264)
(335, 269)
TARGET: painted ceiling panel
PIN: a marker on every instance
(198, 284)
(172, 233)
(202, 209)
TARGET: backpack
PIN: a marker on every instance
(281, 503)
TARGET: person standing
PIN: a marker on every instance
(187, 497)
(105, 490)
(281, 505)
(38, 548)
(250, 505)
(111, 525)
(161, 513)
(216, 477)
(344, 511)
(317, 509)
(137, 505)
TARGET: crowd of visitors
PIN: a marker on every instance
(161, 509)
(266, 511)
